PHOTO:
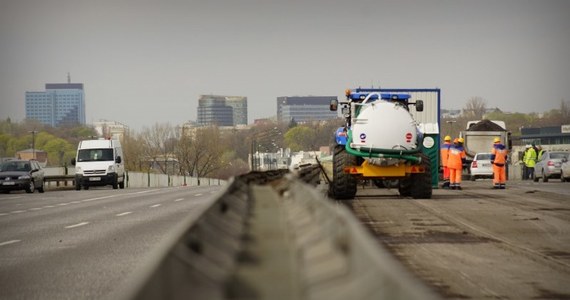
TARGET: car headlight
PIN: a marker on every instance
(24, 177)
(78, 170)
(111, 169)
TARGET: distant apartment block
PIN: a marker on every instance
(59, 105)
(222, 110)
(111, 129)
(305, 109)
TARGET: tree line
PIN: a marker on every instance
(222, 153)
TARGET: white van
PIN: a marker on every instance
(99, 162)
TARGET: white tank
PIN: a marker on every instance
(383, 125)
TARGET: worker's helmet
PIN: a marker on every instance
(447, 138)
(461, 140)
(497, 140)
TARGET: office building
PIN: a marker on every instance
(305, 109)
(59, 105)
(222, 110)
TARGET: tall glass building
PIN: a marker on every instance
(222, 110)
(305, 109)
(59, 105)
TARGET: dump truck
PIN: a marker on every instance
(479, 136)
(380, 140)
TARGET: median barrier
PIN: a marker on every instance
(271, 236)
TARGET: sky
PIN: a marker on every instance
(144, 62)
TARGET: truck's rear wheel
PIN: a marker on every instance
(405, 187)
(343, 185)
(421, 182)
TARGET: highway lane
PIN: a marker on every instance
(478, 243)
(83, 244)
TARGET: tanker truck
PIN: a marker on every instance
(380, 140)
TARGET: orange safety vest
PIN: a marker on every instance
(444, 152)
(499, 154)
(456, 156)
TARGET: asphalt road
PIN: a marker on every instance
(85, 244)
(478, 243)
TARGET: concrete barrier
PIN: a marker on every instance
(280, 240)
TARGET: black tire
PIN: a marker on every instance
(544, 177)
(41, 188)
(472, 178)
(85, 187)
(343, 185)
(77, 185)
(405, 188)
(122, 183)
(31, 187)
(535, 179)
(562, 179)
(421, 182)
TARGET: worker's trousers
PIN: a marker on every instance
(499, 176)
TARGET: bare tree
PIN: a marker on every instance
(475, 108)
(157, 144)
(205, 151)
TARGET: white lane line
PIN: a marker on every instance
(49, 206)
(63, 204)
(36, 208)
(124, 214)
(76, 225)
(156, 205)
(17, 211)
(3, 214)
(98, 198)
(179, 199)
(9, 242)
(197, 195)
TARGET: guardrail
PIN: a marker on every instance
(60, 180)
(271, 236)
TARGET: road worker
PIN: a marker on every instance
(444, 153)
(455, 162)
(499, 161)
(530, 160)
(523, 160)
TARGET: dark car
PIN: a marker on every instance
(21, 175)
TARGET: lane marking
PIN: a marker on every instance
(36, 208)
(124, 214)
(49, 206)
(197, 195)
(179, 199)
(63, 204)
(9, 242)
(156, 205)
(76, 225)
(3, 214)
(17, 211)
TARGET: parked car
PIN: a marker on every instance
(481, 166)
(565, 170)
(549, 165)
(21, 174)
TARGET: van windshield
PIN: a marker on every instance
(95, 155)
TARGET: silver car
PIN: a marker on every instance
(549, 165)
(565, 170)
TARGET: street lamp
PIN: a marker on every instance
(450, 122)
(33, 132)
(256, 138)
